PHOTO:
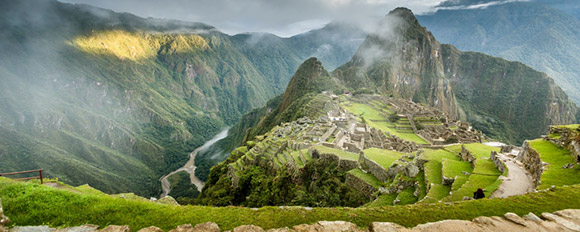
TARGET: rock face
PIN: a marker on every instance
(531, 161)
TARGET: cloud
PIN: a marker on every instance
(281, 17)
(476, 6)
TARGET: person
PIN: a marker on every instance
(478, 194)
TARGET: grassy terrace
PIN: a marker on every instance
(371, 115)
(340, 153)
(366, 177)
(434, 173)
(485, 174)
(557, 157)
(383, 157)
(34, 204)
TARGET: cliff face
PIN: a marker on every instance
(506, 100)
(401, 59)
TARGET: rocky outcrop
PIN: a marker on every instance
(532, 162)
(498, 163)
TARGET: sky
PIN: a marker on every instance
(281, 17)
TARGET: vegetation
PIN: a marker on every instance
(383, 157)
(33, 204)
(556, 157)
(181, 187)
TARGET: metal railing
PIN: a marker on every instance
(24, 172)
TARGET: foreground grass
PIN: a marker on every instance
(33, 204)
(556, 157)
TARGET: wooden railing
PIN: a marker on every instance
(24, 172)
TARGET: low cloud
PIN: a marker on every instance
(281, 17)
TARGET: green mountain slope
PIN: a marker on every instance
(537, 34)
(116, 101)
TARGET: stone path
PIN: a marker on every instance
(517, 182)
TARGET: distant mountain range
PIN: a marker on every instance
(542, 34)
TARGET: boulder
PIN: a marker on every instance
(3, 219)
(113, 228)
(385, 227)
(248, 228)
(515, 219)
(83, 228)
(32, 229)
(327, 226)
(151, 229)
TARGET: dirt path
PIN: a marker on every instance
(517, 182)
(190, 167)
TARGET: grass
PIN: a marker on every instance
(340, 153)
(370, 114)
(485, 174)
(383, 157)
(557, 157)
(453, 168)
(296, 156)
(406, 196)
(366, 177)
(383, 200)
(33, 204)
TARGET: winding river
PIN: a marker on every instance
(190, 167)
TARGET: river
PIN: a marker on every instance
(190, 167)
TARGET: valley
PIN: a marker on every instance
(343, 123)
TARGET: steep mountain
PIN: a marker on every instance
(115, 100)
(506, 100)
(378, 146)
(534, 33)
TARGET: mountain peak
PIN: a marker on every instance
(303, 81)
(404, 13)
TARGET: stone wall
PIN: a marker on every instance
(465, 155)
(498, 163)
(568, 138)
(360, 185)
(373, 167)
(532, 162)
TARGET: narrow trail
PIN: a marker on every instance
(190, 167)
(517, 182)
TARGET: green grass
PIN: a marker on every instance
(557, 157)
(383, 157)
(366, 177)
(340, 153)
(570, 126)
(453, 168)
(383, 200)
(370, 114)
(484, 174)
(406, 197)
(478, 150)
(437, 192)
(33, 204)
(296, 156)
